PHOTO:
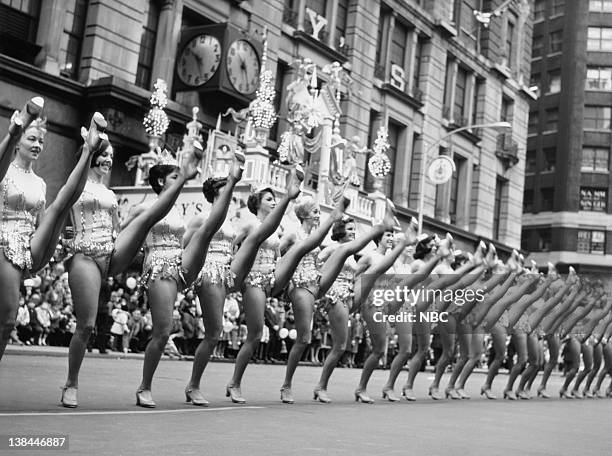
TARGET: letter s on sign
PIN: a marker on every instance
(398, 77)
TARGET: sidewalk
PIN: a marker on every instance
(36, 350)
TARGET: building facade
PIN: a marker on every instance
(422, 68)
(567, 212)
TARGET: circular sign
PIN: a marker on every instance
(440, 169)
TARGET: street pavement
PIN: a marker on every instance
(108, 422)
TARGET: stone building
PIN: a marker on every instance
(422, 68)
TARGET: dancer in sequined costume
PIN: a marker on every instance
(29, 233)
(173, 261)
(96, 251)
(255, 268)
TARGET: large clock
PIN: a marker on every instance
(243, 66)
(199, 60)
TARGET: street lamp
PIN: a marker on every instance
(495, 125)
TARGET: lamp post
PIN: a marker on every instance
(495, 125)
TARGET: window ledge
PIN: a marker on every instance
(414, 101)
(333, 54)
(503, 70)
(447, 27)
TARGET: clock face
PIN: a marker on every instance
(243, 66)
(199, 60)
(440, 170)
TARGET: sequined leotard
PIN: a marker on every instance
(163, 250)
(92, 216)
(262, 272)
(306, 273)
(342, 289)
(216, 269)
(22, 199)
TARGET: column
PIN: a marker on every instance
(332, 19)
(168, 35)
(326, 136)
(301, 15)
(410, 58)
(49, 35)
(443, 196)
(387, 48)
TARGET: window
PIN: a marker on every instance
(555, 42)
(548, 198)
(290, 12)
(19, 19)
(550, 159)
(597, 117)
(537, 48)
(506, 110)
(593, 199)
(539, 10)
(557, 7)
(554, 81)
(147, 45)
(451, 10)
(552, 118)
(398, 44)
(380, 42)
(70, 45)
(341, 19)
(544, 240)
(528, 200)
(530, 162)
(595, 159)
(534, 121)
(591, 241)
(602, 6)
(455, 184)
(497, 209)
(510, 40)
(599, 78)
(534, 80)
(418, 55)
(460, 93)
(394, 130)
(599, 39)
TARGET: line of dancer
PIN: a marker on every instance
(473, 294)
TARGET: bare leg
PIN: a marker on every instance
(85, 281)
(573, 357)
(10, 277)
(597, 362)
(553, 357)
(520, 343)
(378, 336)
(338, 323)
(533, 362)
(587, 358)
(447, 331)
(423, 333)
(498, 333)
(162, 294)
(476, 349)
(302, 302)
(212, 298)
(47, 233)
(540, 365)
(254, 307)
(404, 337)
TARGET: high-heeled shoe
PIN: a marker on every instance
(522, 394)
(509, 394)
(234, 393)
(565, 395)
(389, 394)
(145, 399)
(195, 396)
(320, 394)
(486, 392)
(542, 393)
(463, 394)
(609, 392)
(286, 395)
(408, 394)
(69, 396)
(435, 394)
(451, 393)
(587, 394)
(363, 397)
(598, 394)
(577, 394)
